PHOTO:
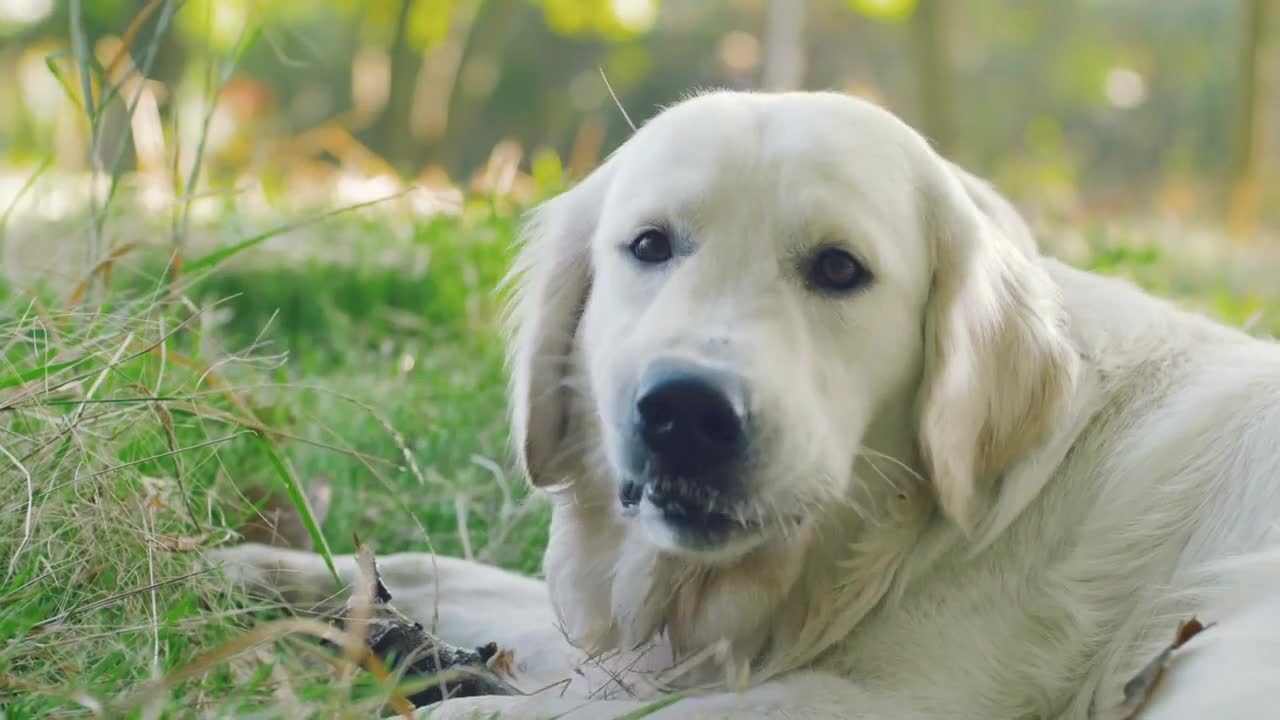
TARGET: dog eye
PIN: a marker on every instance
(651, 246)
(837, 270)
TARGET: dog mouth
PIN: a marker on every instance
(685, 518)
(674, 507)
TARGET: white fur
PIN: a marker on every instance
(991, 484)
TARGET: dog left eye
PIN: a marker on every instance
(836, 270)
(651, 246)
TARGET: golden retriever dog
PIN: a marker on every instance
(825, 436)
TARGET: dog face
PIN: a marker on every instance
(758, 288)
(755, 290)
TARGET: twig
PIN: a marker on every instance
(22, 397)
(149, 458)
(97, 382)
(96, 605)
(617, 102)
(29, 521)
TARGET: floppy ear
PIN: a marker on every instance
(999, 367)
(998, 208)
(551, 279)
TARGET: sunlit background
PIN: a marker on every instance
(1080, 110)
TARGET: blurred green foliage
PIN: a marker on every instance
(1075, 107)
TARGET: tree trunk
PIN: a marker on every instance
(784, 45)
(429, 113)
(931, 50)
(488, 32)
(390, 135)
(1246, 171)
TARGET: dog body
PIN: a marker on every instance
(826, 437)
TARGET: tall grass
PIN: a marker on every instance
(147, 416)
(142, 430)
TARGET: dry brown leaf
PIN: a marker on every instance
(1138, 690)
(278, 521)
(102, 268)
(503, 663)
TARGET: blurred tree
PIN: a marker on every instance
(929, 44)
(930, 49)
(476, 41)
(1075, 105)
(1246, 171)
(784, 45)
(433, 98)
(391, 130)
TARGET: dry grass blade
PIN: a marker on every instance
(221, 255)
(207, 374)
(30, 182)
(28, 521)
(45, 390)
(108, 601)
(101, 377)
(88, 703)
(264, 633)
(161, 456)
(171, 438)
(360, 605)
(126, 41)
(212, 413)
(103, 267)
(182, 212)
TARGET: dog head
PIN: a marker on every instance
(757, 290)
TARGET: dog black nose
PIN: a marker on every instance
(691, 420)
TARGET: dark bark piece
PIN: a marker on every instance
(406, 646)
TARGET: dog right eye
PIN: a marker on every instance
(651, 246)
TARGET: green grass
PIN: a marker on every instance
(386, 378)
(145, 413)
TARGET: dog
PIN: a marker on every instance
(825, 436)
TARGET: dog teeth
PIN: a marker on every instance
(631, 494)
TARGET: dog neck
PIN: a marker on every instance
(773, 610)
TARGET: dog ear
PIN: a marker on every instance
(999, 367)
(995, 206)
(551, 280)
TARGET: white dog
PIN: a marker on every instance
(825, 437)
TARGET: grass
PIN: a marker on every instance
(134, 432)
(155, 403)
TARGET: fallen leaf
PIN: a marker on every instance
(1141, 686)
(278, 521)
(503, 663)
